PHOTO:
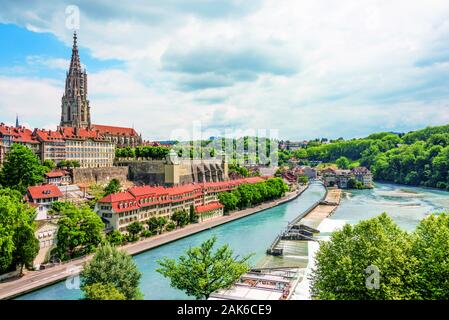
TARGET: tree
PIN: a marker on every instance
(134, 228)
(171, 226)
(354, 184)
(344, 263)
(115, 238)
(112, 187)
(17, 240)
(161, 222)
(111, 267)
(229, 200)
(49, 164)
(153, 224)
(303, 179)
(193, 218)
(27, 246)
(99, 291)
(342, 163)
(201, 271)
(80, 230)
(21, 169)
(431, 249)
(180, 217)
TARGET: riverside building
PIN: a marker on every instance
(141, 203)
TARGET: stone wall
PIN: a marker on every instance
(99, 175)
(159, 172)
(149, 172)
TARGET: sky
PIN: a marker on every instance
(303, 69)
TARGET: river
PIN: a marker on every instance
(253, 234)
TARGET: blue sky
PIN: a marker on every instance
(308, 69)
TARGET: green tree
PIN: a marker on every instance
(431, 249)
(21, 169)
(153, 224)
(201, 271)
(134, 228)
(180, 217)
(229, 200)
(17, 240)
(377, 244)
(193, 218)
(343, 163)
(303, 179)
(162, 222)
(99, 291)
(80, 230)
(112, 187)
(171, 226)
(49, 164)
(115, 238)
(26, 246)
(111, 267)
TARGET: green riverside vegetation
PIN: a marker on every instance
(408, 265)
(248, 195)
(418, 158)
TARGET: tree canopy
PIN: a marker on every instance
(80, 231)
(111, 268)
(247, 195)
(417, 158)
(201, 271)
(113, 186)
(18, 244)
(405, 265)
(21, 169)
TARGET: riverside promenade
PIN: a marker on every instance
(37, 279)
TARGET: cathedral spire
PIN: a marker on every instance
(75, 106)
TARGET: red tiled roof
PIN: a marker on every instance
(114, 130)
(208, 207)
(56, 173)
(80, 133)
(137, 197)
(20, 134)
(48, 135)
(44, 191)
(117, 197)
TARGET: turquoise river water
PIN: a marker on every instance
(253, 234)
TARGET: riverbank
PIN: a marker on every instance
(280, 260)
(38, 279)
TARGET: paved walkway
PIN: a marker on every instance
(37, 279)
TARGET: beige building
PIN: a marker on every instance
(88, 147)
(46, 233)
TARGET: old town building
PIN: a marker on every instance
(141, 203)
(85, 145)
(42, 198)
(88, 147)
(340, 178)
(20, 135)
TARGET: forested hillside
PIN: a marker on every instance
(416, 158)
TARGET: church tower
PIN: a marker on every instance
(75, 106)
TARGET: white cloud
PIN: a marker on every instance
(307, 68)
